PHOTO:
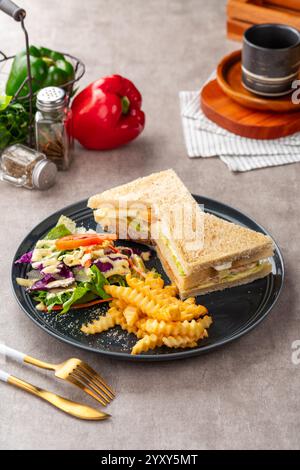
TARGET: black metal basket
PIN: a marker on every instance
(79, 69)
(69, 87)
(18, 14)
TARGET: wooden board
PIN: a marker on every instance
(225, 112)
(236, 29)
(290, 4)
(229, 77)
(243, 13)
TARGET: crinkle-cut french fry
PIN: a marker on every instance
(192, 311)
(131, 314)
(171, 290)
(133, 297)
(101, 324)
(174, 311)
(206, 321)
(146, 343)
(124, 325)
(159, 296)
(179, 342)
(119, 304)
(140, 333)
(154, 281)
(194, 329)
(157, 293)
(189, 301)
(153, 313)
(114, 311)
(138, 284)
(179, 310)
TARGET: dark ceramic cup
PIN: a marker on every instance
(270, 59)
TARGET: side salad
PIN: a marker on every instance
(71, 264)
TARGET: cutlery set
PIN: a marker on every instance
(73, 371)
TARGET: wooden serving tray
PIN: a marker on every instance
(244, 13)
(230, 115)
(229, 77)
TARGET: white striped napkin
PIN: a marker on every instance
(204, 138)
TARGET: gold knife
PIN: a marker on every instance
(68, 406)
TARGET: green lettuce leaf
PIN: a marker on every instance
(40, 296)
(57, 232)
(78, 293)
(97, 282)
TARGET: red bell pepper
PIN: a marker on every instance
(107, 113)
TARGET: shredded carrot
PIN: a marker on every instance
(113, 248)
(88, 263)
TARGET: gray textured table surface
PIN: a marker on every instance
(243, 396)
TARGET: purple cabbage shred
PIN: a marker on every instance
(25, 258)
(42, 283)
(103, 266)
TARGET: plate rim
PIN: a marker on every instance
(183, 354)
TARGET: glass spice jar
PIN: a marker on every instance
(23, 166)
(53, 122)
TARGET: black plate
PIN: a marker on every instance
(235, 311)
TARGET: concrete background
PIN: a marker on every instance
(246, 395)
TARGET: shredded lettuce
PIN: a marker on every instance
(67, 222)
(78, 293)
(89, 290)
(97, 282)
(57, 232)
(59, 299)
(65, 226)
(40, 296)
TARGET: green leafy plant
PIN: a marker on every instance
(14, 122)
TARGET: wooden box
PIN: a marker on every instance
(243, 13)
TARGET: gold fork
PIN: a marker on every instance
(73, 370)
(68, 406)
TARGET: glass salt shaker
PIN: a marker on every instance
(53, 122)
(23, 166)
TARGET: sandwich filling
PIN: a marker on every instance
(173, 254)
(236, 274)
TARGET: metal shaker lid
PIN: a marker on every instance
(51, 98)
(44, 174)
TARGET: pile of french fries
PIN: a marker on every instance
(151, 311)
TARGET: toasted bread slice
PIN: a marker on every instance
(171, 205)
(160, 188)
